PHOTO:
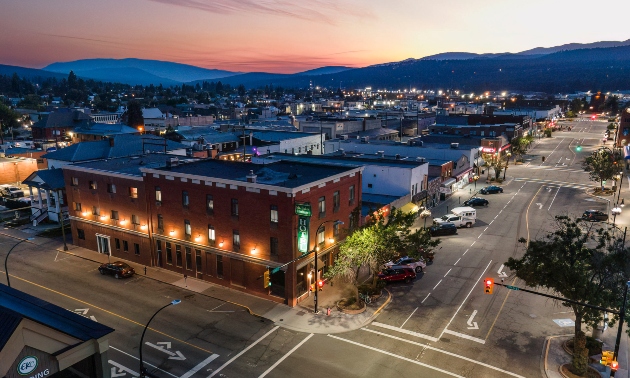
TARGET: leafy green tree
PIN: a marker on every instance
(586, 266)
(601, 165)
(134, 114)
(496, 162)
(8, 120)
(519, 147)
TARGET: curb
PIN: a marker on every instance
(545, 353)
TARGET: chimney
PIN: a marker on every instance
(251, 176)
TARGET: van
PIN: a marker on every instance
(465, 211)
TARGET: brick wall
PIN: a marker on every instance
(14, 170)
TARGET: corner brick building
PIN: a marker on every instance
(223, 222)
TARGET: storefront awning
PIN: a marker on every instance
(460, 176)
(448, 182)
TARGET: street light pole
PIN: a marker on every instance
(6, 258)
(622, 317)
(142, 369)
(315, 261)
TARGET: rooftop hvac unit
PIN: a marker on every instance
(455, 145)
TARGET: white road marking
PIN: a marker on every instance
(122, 370)
(485, 229)
(500, 211)
(243, 351)
(426, 346)
(554, 197)
(285, 356)
(414, 311)
(457, 261)
(465, 336)
(465, 299)
(479, 235)
(500, 272)
(411, 333)
(492, 221)
(200, 366)
(465, 252)
(472, 324)
(449, 271)
(425, 298)
(146, 363)
(495, 217)
(436, 285)
(397, 356)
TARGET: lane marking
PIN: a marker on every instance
(465, 336)
(495, 217)
(200, 366)
(121, 369)
(465, 299)
(425, 298)
(492, 221)
(436, 285)
(479, 235)
(414, 311)
(285, 356)
(427, 346)
(136, 358)
(500, 211)
(243, 351)
(485, 229)
(457, 261)
(449, 270)
(411, 333)
(554, 197)
(397, 356)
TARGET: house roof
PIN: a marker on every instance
(16, 305)
(152, 113)
(63, 118)
(278, 136)
(49, 179)
(120, 145)
(105, 129)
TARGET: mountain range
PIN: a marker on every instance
(594, 66)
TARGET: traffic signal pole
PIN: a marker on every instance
(621, 320)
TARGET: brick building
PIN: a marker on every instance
(15, 169)
(223, 222)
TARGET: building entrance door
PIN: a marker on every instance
(102, 243)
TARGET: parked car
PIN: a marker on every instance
(397, 273)
(12, 191)
(415, 264)
(595, 216)
(492, 189)
(457, 220)
(476, 201)
(117, 269)
(443, 229)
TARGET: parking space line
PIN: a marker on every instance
(414, 311)
(426, 346)
(285, 356)
(243, 351)
(436, 285)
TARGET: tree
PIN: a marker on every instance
(8, 120)
(134, 114)
(601, 165)
(519, 147)
(496, 162)
(590, 267)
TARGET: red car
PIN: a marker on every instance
(397, 273)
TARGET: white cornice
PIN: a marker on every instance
(103, 172)
(109, 226)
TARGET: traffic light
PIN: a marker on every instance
(578, 148)
(607, 358)
(266, 281)
(489, 285)
(614, 365)
(320, 284)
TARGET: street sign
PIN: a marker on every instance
(511, 287)
(303, 209)
(275, 270)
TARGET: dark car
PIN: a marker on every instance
(117, 269)
(443, 229)
(595, 216)
(492, 189)
(476, 201)
(397, 273)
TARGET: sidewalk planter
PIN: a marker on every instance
(566, 373)
(350, 312)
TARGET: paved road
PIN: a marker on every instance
(441, 325)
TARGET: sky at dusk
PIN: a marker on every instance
(292, 36)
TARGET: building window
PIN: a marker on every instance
(169, 253)
(160, 222)
(351, 191)
(370, 186)
(136, 249)
(274, 214)
(133, 192)
(198, 260)
(234, 207)
(188, 258)
(336, 229)
(211, 235)
(322, 207)
(76, 206)
(111, 188)
(96, 210)
(158, 194)
(185, 199)
(335, 201)
(93, 185)
(273, 246)
(81, 234)
(209, 204)
(75, 181)
(135, 220)
(187, 229)
(117, 243)
(178, 255)
(114, 215)
(219, 266)
(320, 237)
(125, 246)
(236, 240)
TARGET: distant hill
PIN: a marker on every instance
(138, 71)
(324, 70)
(262, 78)
(575, 46)
(29, 73)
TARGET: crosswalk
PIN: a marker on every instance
(559, 169)
(554, 183)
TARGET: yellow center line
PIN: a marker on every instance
(109, 312)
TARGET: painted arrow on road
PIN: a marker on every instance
(539, 205)
(501, 273)
(472, 325)
(120, 371)
(177, 355)
(83, 312)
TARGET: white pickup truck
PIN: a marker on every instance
(457, 220)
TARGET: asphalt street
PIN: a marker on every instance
(440, 325)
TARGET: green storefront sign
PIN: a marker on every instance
(302, 234)
(303, 209)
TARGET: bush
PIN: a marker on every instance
(594, 347)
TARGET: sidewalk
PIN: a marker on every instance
(300, 318)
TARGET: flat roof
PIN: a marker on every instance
(129, 165)
(288, 174)
(359, 159)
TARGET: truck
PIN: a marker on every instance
(460, 217)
